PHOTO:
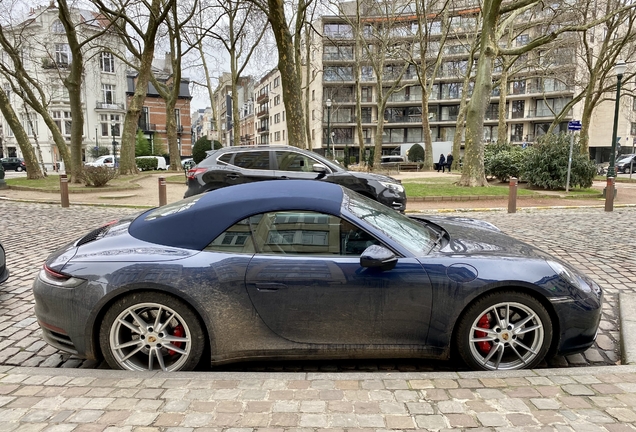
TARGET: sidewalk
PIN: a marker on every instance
(585, 399)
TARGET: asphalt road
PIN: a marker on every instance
(602, 244)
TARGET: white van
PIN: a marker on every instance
(161, 161)
(106, 160)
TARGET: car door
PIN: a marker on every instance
(296, 166)
(255, 165)
(307, 284)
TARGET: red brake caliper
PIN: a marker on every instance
(485, 346)
(178, 332)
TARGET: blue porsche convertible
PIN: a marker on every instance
(302, 269)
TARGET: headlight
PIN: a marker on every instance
(393, 187)
(568, 275)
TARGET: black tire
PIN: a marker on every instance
(518, 344)
(176, 345)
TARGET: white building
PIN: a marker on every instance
(47, 57)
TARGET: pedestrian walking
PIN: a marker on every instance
(441, 163)
(449, 161)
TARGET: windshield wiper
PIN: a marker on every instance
(438, 240)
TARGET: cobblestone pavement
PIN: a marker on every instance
(602, 244)
(574, 399)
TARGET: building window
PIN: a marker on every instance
(116, 129)
(277, 119)
(107, 62)
(177, 116)
(58, 27)
(313, 114)
(276, 136)
(7, 91)
(277, 100)
(30, 123)
(313, 95)
(63, 121)
(523, 39)
(283, 115)
(62, 54)
(518, 109)
(105, 123)
(108, 93)
(633, 133)
(276, 82)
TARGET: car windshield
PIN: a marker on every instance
(412, 235)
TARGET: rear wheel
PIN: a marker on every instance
(19, 169)
(151, 331)
(504, 331)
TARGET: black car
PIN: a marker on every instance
(307, 270)
(238, 165)
(13, 163)
(626, 164)
(4, 272)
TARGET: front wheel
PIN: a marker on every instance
(151, 331)
(19, 169)
(504, 331)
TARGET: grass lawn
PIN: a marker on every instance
(52, 182)
(437, 186)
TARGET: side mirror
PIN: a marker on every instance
(320, 168)
(376, 256)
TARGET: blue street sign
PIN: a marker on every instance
(574, 125)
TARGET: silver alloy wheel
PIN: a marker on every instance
(142, 338)
(514, 336)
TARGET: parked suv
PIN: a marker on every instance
(13, 163)
(237, 165)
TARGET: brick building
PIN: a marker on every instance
(152, 121)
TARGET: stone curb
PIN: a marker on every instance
(627, 325)
(343, 376)
(520, 209)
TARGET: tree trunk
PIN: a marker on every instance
(292, 94)
(473, 173)
(32, 168)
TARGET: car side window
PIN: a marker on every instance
(225, 158)
(235, 239)
(252, 160)
(308, 233)
(292, 161)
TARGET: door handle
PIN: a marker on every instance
(270, 287)
(232, 176)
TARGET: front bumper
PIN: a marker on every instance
(579, 321)
(64, 316)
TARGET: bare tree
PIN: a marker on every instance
(136, 24)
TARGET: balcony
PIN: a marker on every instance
(147, 127)
(263, 129)
(263, 97)
(405, 119)
(545, 112)
(110, 106)
(263, 112)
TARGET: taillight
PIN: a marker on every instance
(194, 171)
(61, 280)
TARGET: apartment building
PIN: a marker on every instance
(271, 123)
(47, 57)
(540, 84)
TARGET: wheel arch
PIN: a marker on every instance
(98, 317)
(549, 307)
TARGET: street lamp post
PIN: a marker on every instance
(328, 124)
(112, 132)
(619, 69)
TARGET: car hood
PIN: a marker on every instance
(475, 237)
(372, 176)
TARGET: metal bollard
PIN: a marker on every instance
(512, 196)
(610, 194)
(163, 200)
(64, 190)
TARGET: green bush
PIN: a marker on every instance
(546, 163)
(416, 153)
(201, 145)
(503, 161)
(98, 176)
(217, 145)
(142, 145)
(146, 164)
